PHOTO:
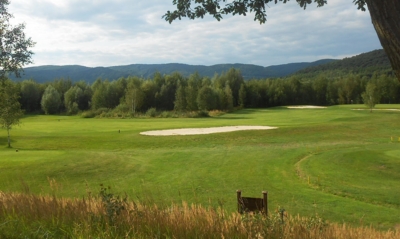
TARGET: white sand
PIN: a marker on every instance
(196, 131)
(379, 109)
(306, 107)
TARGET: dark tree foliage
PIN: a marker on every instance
(166, 95)
(31, 95)
(193, 9)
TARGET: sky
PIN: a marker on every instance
(121, 32)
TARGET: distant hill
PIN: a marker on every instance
(90, 74)
(365, 64)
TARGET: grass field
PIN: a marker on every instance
(337, 162)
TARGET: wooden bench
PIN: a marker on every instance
(247, 204)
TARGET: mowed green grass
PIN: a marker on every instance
(337, 162)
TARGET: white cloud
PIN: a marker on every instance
(104, 33)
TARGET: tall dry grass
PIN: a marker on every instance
(107, 216)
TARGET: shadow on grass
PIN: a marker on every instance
(231, 118)
(4, 142)
(30, 115)
(247, 111)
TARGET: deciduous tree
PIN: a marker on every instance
(31, 94)
(206, 99)
(371, 96)
(134, 95)
(228, 98)
(193, 85)
(10, 108)
(14, 45)
(242, 95)
(14, 54)
(72, 98)
(51, 100)
(180, 98)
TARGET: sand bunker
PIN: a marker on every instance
(379, 109)
(196, 131)
(306, 107)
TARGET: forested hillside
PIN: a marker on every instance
(76, 73)
(364, 64)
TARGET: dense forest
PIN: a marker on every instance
(174, 92)
(348, 81)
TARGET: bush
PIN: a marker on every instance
(121, 111)
(202, 114)
(152, 112)
(169, 114)
(121, 108)
(216, 113)
(88, 114)
(100, 111)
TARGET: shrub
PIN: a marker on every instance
(169, 114)
(101, 111)
(88, 114)
(202, 114)
(216, 113)
(121, 111)
(121, 108)
(152, 112)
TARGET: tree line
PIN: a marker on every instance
(196, 93)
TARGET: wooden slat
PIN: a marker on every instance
(248, 204)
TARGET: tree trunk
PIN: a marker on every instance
(385, 15)
(132, 107)
(9, 140)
